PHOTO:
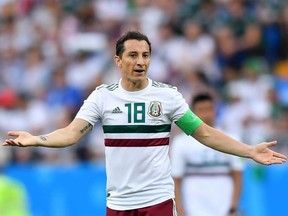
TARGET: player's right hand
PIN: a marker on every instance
(20, 138)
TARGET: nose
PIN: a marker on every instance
(140, 61)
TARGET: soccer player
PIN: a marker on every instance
(207, 182)
(136, 114)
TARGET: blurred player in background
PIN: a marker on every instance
(136, 114)
(207, 182)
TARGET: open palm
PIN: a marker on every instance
(21, 138)
(262, 154)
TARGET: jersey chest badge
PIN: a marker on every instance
(155, 109)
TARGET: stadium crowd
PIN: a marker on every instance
(54, 53)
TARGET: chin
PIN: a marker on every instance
(137, 79)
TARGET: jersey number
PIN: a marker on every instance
(138, 114)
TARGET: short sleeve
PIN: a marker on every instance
(91, 108)
(179, 105)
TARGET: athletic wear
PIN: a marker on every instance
(207, 185)
(137, 128)
(167, 208)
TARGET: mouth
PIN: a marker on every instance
(139, 71)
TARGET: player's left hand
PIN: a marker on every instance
(262, 154)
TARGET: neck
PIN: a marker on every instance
(134, 85)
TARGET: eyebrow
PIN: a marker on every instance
(145, 52)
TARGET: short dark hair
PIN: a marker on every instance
(130, 35)
(203, 96)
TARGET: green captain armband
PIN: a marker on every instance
(189, 122)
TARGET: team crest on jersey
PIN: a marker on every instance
(155, 109)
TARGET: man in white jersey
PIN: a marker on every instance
(136, 114)
(207, 182)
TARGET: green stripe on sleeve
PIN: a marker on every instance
(189, 122)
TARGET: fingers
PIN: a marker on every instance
(282, 158)
(270, 144)
(8, 143)
(276, 158)
(19, 138)
(276, 161)
(13, 133)
(273, 160)
(11, 142)
(278, 155)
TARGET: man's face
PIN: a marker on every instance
(135, 61)
(206, 111)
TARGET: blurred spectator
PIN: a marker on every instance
(209, 15)
(11, 69)
(60, 95)
(35, 74)
(227, 54)
(198, 50)
(250, 94)
(279, 131)
(281, 82)
(283, 33)
(251, 42)
(84, 73)
(237, 16)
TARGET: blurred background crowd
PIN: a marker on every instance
(54, 53)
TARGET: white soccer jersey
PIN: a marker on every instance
(136, 128)
(207, 184)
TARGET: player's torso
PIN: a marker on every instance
(145, 107)
(137, 127)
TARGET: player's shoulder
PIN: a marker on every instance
(163, 86)
(157, 84)
(107, 87)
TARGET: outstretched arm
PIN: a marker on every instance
(217, 140)
(59, 138)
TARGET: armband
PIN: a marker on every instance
(189, 122)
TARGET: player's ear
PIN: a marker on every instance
(118, 61)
